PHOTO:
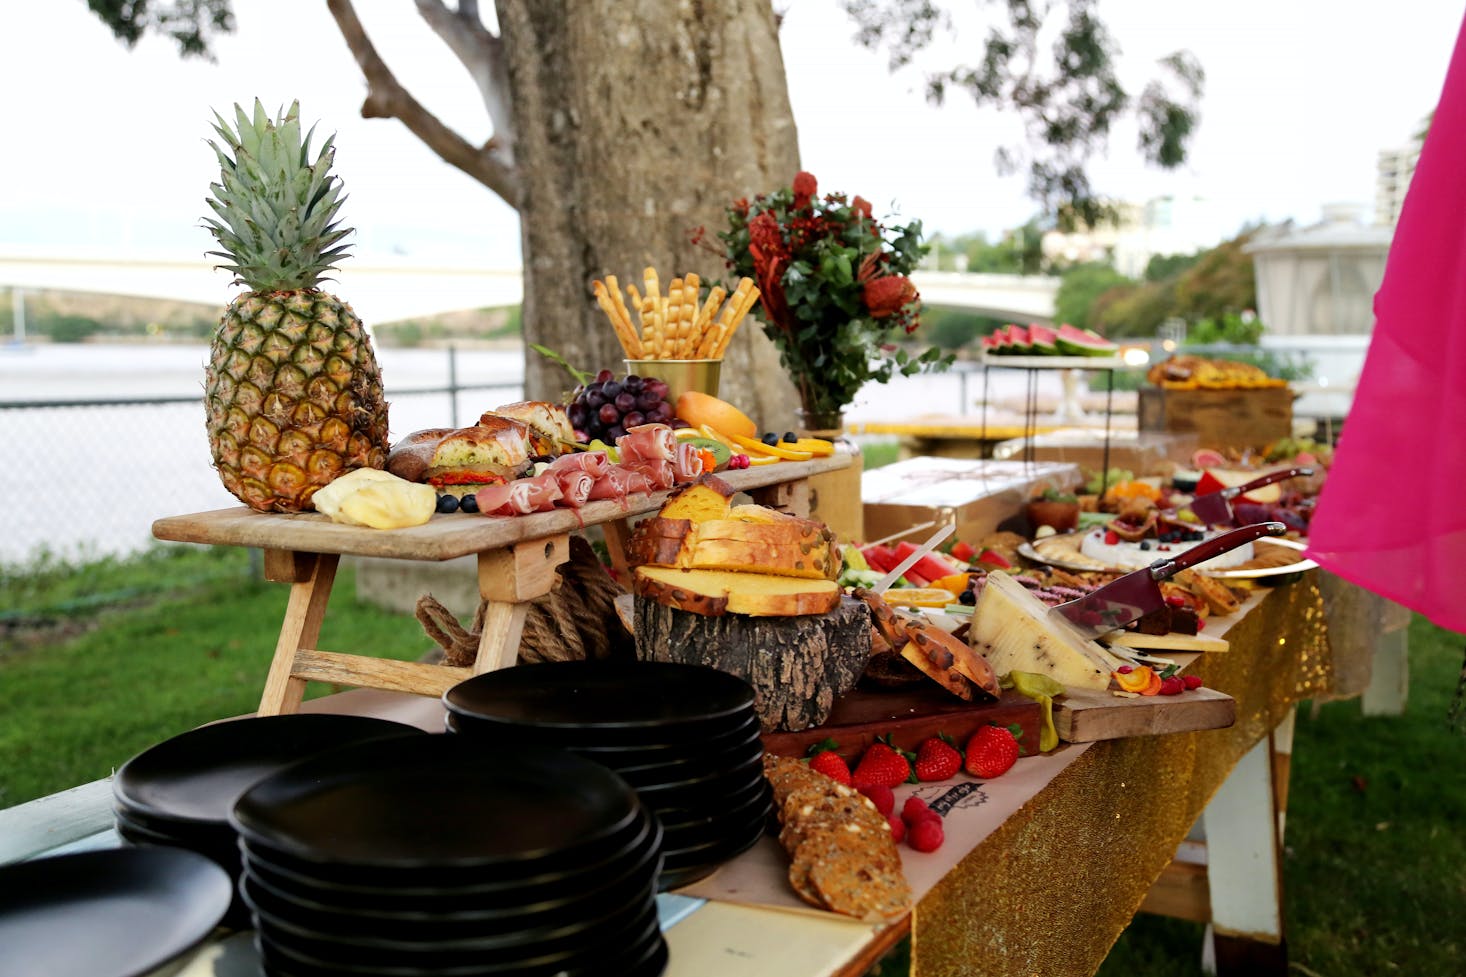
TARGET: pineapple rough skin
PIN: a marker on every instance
(293, 393)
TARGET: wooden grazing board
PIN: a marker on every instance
(1084, 716)
(445, 536)
(910, 716)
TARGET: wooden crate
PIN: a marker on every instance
(1219, 419)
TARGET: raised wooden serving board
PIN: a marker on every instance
(909, 716)
(1166, 642)
(1083, 716)
(444, 537)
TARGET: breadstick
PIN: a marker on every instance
(653, 328)
(654, 293)
(636, 304)
(622, 332)
(687, 334)
(671, 319)
(750, 296)
(705, 336)
(614, 288)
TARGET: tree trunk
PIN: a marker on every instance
(637, 121)
(798, 666)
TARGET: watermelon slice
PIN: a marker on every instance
(1082, 342)
(992, 343)
(1018, 342)
(1042, 341)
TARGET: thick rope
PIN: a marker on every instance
(577, 620)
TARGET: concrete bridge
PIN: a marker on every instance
(392, 289)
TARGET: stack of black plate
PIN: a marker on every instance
(686, 737)
(180, 792)
(437, 856)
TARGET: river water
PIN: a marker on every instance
(86, 481)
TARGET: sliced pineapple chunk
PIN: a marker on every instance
(376, 499)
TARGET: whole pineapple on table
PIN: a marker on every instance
(293, 391)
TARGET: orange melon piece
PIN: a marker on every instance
(698, 409)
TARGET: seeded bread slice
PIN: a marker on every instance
(716, 592)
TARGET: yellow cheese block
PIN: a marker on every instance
(1012, 629)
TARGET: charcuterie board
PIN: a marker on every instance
(445, 536)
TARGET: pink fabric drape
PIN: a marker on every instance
(1392, 515)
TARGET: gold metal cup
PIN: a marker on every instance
(680, 376)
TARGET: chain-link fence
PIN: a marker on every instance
(84, 479)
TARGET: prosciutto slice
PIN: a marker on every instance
(647, 442)
(615, 484)
(593, 463)
(659, 474)
(575, 486)
(520, 496)
(687, 464)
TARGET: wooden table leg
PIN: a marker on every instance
(791, 497)
(618, 532)
(508, 580)
(310, 576)
(1243, 826)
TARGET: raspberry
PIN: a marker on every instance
(915, 811)
(1172, 686)
(881, 796)
(1191, 681)
(898, 827)
(1111, 537)
(926, 835)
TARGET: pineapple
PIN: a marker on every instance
(293, 393)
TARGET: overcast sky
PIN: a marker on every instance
(104, 147)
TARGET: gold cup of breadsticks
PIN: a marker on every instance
(680, 337)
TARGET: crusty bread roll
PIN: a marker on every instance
(410, 457)
(548, 423)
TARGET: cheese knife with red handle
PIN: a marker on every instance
(1215, 508)
(1136, 594)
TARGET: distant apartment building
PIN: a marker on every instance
(1160, 226)
(1395, 170)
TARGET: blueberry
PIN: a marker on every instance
(770, 438)
(447, 503)
(967, 597)
(1145, 545)
(469, 503)
(789, 437)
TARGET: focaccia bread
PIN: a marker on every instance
(495, 450)
(713, 593)
(410, 457)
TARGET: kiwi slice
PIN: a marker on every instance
(720, 450)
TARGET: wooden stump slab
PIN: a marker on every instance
(798, 666)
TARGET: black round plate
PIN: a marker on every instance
(195, 777)
(114, 913)
(742, 808)
(306, 954)
(394, 914)
(437, 803)
(691, 864)
(710, 788)
(603, 695)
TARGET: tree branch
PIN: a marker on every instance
(387, 99)
(482, 53)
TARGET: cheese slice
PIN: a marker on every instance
(1012, 629)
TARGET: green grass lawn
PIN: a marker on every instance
(99, 662)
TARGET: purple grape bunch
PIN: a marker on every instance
(606, 407)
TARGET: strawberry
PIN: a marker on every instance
(898, 827)
(915, 810)
(926, 835)
(832, 765)
(881, 765)
(1192, 681)
(1174, 685)
(991, 752)
(881, 796)
(937, 759)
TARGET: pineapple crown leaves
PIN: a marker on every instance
(277, 209)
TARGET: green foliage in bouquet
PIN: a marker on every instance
(834, 289)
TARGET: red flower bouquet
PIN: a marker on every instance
(834, 289)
